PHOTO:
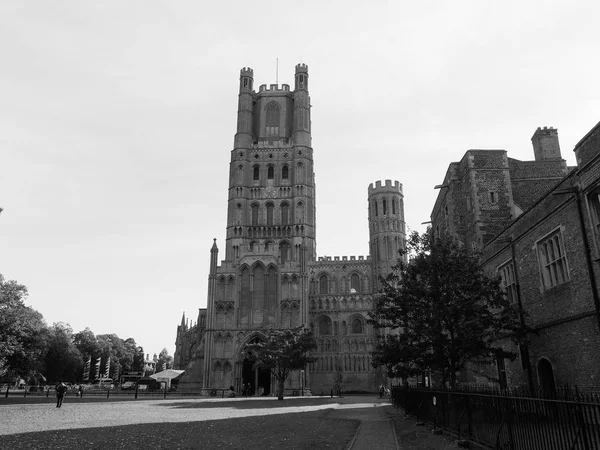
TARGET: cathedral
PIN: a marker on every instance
(270, 276)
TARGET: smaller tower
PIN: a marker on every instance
(243, 137)
(545, 144)
(214, 257)
(301, 127)
(386, 226)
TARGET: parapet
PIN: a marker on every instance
(388, 186)
(342, 259)
(246, 72)
(545, 130)
(301, 68)
(274, 88)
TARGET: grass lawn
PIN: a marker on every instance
(310, 430)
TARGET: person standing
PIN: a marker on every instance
(80, 391)
(61, 390)
(381, 391)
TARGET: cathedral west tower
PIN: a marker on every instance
(270, 277)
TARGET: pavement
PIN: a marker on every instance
(382, 427)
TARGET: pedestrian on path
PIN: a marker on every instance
(61, 390)
(381, 391)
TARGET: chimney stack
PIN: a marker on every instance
(545, 144)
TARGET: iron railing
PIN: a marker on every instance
(501, 420)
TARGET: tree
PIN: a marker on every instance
(283, 352)
(22, 332)
(165, 361)
(446, 310)
(63, 361)
(87, 344)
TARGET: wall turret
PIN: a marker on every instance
(387, 232)
(214, 255)
(301, 131)
(243, 137)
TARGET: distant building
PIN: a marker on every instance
(150, 364)
(536, 224)
(271, 277)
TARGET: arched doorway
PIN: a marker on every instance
(546, 377)
(257, 381)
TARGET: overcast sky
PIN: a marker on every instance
(117, 121)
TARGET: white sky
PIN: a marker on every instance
(117, 121)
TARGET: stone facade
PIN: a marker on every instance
(271, 277)
(541, 236)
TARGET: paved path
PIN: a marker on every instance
(376, 431)
(384, 428)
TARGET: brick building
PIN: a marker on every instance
(271, 276)
(536, 224)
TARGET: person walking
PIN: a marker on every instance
(80, 391)
(381, 391)
(61, 390)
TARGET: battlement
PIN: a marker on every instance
(546, 131)
(301, 68)
(388, 186)
(343, 258)
(274, 88)
(246, 72)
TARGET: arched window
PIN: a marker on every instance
(270, 172)
(299, 173)
(357, 326)
(323, 285)
(284, 173)
(376, 208)
(254, 215)
(393, 206)
(256, 175)
(240, 174)
(299, 212)
(270, 214)
(272, 124)
(384, 204)
(283, 251)
(285, 211)
(324, 325)
(258, 288)
(354, 283)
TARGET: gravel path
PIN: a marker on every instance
(43, 417)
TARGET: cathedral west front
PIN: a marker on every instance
(270, 276)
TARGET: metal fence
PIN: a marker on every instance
(504, 421)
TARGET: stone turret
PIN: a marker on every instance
(301, 133)
(243, 137)
(386, 225)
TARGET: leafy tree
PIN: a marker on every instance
(283, 352)
(137, 365)
(22, 332)
(445, 310)
(63, 361)
(165, 361)
(86, 343)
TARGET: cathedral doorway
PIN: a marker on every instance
(257, 381)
